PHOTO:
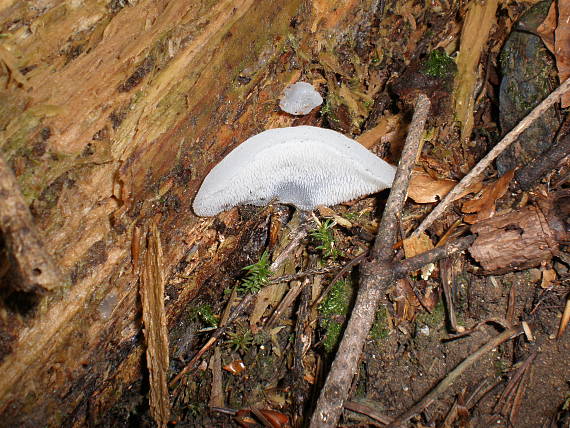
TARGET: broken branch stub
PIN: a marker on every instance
(31, 267)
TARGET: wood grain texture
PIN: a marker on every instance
(154, 319)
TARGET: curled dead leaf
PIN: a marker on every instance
(484, 207)
(425, 189)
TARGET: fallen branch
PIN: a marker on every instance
(507, 140)
(454, 374)
(376, 277)
(32, 266)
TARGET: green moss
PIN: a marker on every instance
(334, 310)
(332, 337)
(337, 301)
(380, 330)
(324, 235)
(241, 339)
(439, 64)
(436, 318)
(257, 275)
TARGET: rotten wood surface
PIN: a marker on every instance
(523, 238)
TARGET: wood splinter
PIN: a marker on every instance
(29, 263)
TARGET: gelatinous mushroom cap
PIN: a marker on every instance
(300, 98)
(304, 166)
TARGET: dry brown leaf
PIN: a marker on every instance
(484, 207)
(424, 189)
(389, 128)
(548, 275)
(406, 300)
(267, 296)
(417, 244)
(479, 20)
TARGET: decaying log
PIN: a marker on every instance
(524, 238)
(31, 266)
(118, 112)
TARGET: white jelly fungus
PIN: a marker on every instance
(300, 98)
(304, 166)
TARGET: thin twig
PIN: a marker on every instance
(376, 276)
(403, 268)
(507, 140)
(454, 374)
(368, 411)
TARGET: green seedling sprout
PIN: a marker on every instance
(324, 234)
(257, 275)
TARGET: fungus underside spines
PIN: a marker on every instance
(304, 166)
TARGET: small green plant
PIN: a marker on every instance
(240, 339)
(257, 275)
(327, 111)
(325, 235)
(204, 313)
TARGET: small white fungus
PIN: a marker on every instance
(300, 98)
(304, 166)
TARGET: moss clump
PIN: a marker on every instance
(332, 337)
(380, 330)
(257, 275)
(436, 318)
(333, 313)
(439, 64)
